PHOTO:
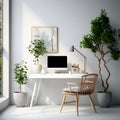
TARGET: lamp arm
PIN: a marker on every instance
(80, 53)
(85, 59)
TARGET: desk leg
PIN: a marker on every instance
(38, 89)
(33, 94)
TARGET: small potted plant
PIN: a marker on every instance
(37, 48)
(102, 41)
(20, 72)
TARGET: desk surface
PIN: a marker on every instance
(55, 75)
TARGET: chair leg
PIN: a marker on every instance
(92, 103)
(64, 97)
(77, 102)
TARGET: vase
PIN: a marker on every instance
(37, 68)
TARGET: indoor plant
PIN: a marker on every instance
(102, 41)
(20, 72)
(37, 48)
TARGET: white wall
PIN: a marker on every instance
(72, 17)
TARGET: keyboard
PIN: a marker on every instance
(61, 71)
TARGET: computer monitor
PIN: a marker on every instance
(57, 62)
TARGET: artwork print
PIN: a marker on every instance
(49, 35)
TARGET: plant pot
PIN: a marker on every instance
(37, 68)
(20, 98)
(104, 99)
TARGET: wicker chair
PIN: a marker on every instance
(85, 87)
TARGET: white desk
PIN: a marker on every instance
(39, 77)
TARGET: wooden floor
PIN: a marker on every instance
(52, 113)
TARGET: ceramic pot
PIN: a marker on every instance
(37, 68)
(20, 98)
(104, 99)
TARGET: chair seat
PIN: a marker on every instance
(72, 89)
(77, 90)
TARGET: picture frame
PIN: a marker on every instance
(47, 33)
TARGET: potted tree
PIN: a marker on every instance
(102, 41)
(20, 72)
(37, 48)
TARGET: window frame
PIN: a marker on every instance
(4, 100)
(1, 51)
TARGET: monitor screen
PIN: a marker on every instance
(57, 62)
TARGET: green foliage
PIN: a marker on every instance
(101, 35)
(20, 72)
(102, 40)
(37, 48)
(1, 6)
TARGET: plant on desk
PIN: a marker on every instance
(37, 48)
(20, 72)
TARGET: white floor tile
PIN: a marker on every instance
(52, 113)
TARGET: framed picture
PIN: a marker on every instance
(49, 35)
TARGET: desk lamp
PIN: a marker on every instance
(85, 58)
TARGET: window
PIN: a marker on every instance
(4, 53)
(4, 48)
(1, 21)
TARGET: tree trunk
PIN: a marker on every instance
(20, 88)
(108, 76)
(104, 81)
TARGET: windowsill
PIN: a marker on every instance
(4, 102)
(2, 99)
